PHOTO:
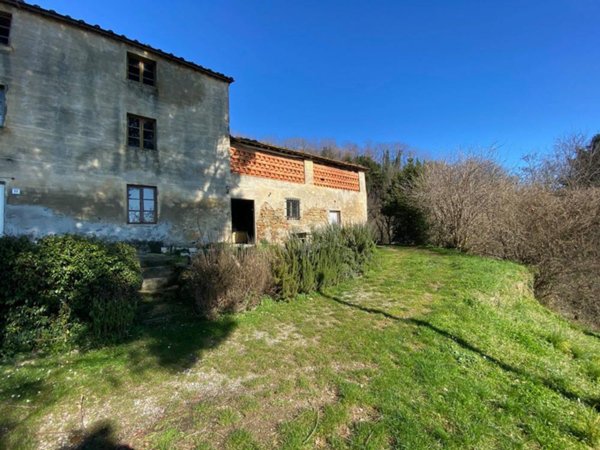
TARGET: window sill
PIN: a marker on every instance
(130, 147)
(6, 48)
(142, 86)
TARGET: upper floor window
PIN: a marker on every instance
(292, 207)
(141, 132)
(141, 204)
(2, 104)
(141, 69)
(5, 20)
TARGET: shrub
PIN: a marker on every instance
(361, 242)
(224, 279)
(66, 290)
(293, 268)
(544, 221)
(330, 255)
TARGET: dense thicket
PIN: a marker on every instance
(65, 290)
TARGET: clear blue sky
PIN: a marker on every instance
(437, 75)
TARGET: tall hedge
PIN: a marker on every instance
(65, 290)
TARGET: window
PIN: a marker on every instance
(141, 204)
(335, 217)
(141, 69)
(2, 105)
(141, 132)
(292, 209)
(5, 20)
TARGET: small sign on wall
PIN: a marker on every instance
(15, 191)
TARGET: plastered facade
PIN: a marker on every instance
(64, 144)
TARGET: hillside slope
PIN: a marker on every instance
(431, 349)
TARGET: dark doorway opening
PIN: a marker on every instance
(242, 220)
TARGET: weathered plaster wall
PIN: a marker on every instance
(64, 140)
(315, 202)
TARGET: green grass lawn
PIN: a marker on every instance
(430, 349)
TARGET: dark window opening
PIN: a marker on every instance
(5, 22)
(141, 204)
(141, 69)
(242, 220)
(2, 105)
(292, 209)
(141, 132)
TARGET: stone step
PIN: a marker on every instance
(156, 259)
(158, 272)
(156, 284)
(158, 307)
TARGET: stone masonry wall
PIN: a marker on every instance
(315, 203)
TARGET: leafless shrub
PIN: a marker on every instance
(461, 200)
(224, 279)
(476, 206)
(559, 233)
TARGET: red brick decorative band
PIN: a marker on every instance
(263, 165)
(336, 178)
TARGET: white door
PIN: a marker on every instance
(334, 218)
(2, 200)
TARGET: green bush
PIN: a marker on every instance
(331, 255)
(293, 268)
(65, 290)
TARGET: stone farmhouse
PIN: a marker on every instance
(103, 135)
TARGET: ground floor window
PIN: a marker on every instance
(335, 217)
(292, 207)
(141, 204)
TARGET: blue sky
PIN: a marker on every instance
(437, 75)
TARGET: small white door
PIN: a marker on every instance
(335, 218)
(2, 201)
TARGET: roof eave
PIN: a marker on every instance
(303, 155)
(51, 14)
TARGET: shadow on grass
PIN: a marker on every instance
(6, 426)
(101, 436)
(591, 333)
(178, 345)
(548, 383)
